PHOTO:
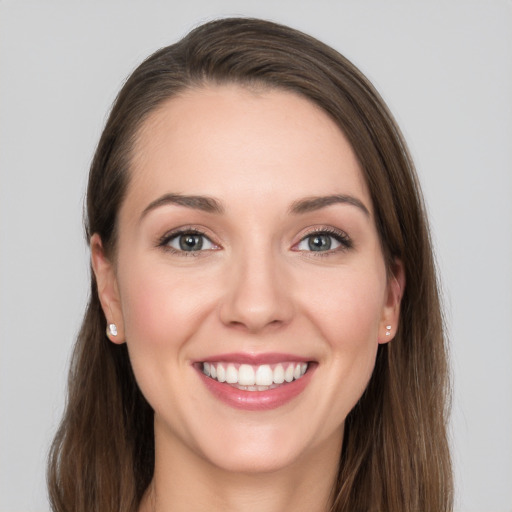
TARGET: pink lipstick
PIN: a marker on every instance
(255, 382)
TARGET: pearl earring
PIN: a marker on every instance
(112, 330)
(388, 330)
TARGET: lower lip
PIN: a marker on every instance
(257, 400)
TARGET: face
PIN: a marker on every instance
(249, 282)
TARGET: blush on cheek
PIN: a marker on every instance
(353, 324)
(160, 311)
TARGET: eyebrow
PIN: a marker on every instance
(203, 203)
(211, 205)
(311, 204)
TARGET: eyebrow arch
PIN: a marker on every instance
(204, 203)
(311, 204)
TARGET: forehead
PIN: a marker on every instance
(231, 140)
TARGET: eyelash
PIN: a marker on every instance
(164, 241)
(339, 236)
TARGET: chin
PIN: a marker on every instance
(259, 460)
(264, 449)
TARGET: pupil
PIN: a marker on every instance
(320, 243)
(191, 242)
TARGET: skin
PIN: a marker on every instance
(256, 288)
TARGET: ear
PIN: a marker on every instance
(391, 311)
(108, 291)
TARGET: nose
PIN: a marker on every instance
(257, 294)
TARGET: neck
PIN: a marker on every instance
(184, 478)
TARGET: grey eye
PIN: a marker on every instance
(318, 242)
(190, 242)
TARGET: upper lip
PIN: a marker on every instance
(254, 359)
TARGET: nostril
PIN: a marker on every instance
(256, 296)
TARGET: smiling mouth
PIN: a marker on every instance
(248, 377)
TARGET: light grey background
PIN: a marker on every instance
(444, 67)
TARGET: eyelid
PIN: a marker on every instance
(342, 238)
(163, 241)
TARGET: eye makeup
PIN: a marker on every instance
(193, 241)
(186, 241)
(324, 240)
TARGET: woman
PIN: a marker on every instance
(263, 272)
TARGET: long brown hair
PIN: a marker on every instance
(395, 452)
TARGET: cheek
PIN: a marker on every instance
(161, 312)
(146, 312)
(157, 300)
(347, 313)
(161, 309)
(348, 308)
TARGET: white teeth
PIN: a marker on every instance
(221, 373)
(255, 378)
(264, 375)
(279, 374)
(246, 375)
(231, 375)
